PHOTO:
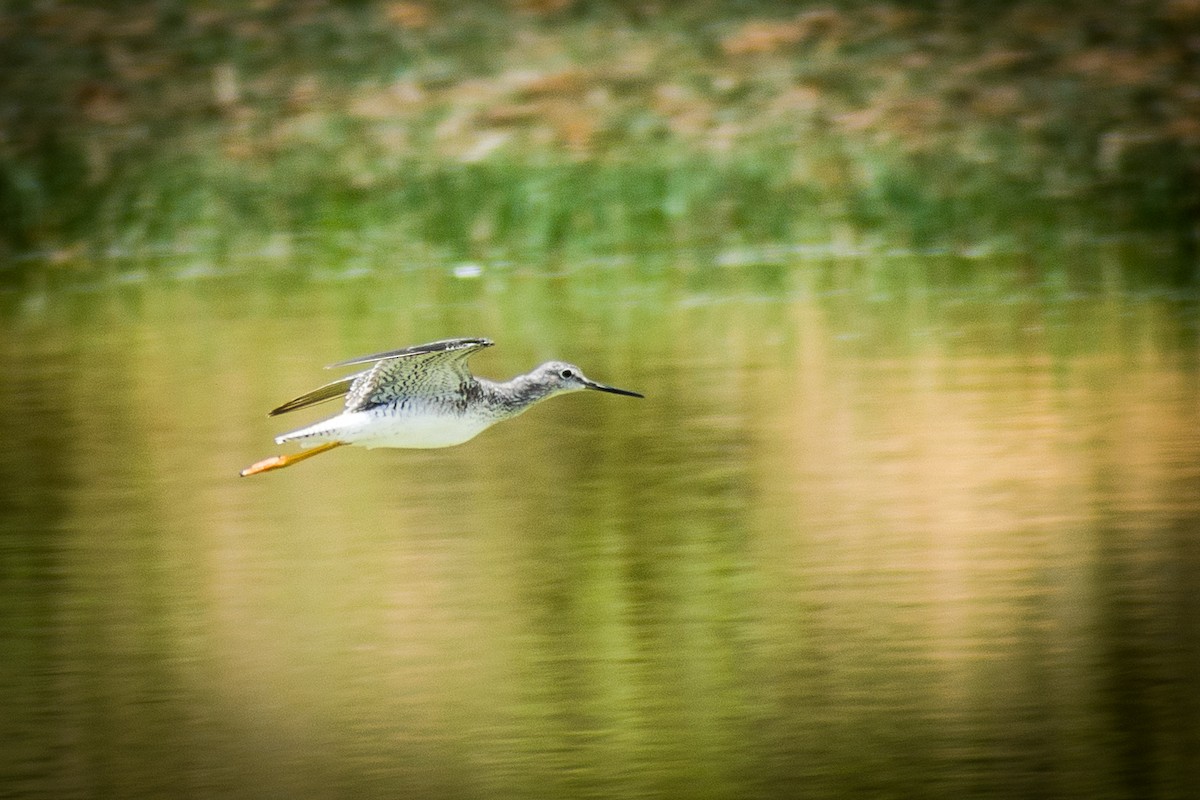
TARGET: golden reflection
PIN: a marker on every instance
(835, 534)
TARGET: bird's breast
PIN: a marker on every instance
(429, 427)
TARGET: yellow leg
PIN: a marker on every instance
(279, 462)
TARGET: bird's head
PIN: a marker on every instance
(559, 376)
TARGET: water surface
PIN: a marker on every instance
(863, 537)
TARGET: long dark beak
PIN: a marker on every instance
(600, 387)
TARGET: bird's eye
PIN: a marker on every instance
(566, 373)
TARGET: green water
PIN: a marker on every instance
(867, 536)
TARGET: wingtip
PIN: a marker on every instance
(428, 347)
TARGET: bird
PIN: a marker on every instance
(422, 397)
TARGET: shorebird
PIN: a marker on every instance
(421, 397)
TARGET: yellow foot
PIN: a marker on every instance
(279, 462)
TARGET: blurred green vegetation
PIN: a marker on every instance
(551, 129)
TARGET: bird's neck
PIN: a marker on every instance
(516, 395)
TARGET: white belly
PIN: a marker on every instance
(368, 429)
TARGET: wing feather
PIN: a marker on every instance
(432, 369)
(440, 346)
(329, 391)
(434, 373)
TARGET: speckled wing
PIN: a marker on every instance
(379, 381)
(436, 369)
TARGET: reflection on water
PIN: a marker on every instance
(852, 544)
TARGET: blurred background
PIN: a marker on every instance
(911, 508)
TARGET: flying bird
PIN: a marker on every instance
(421, 397)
